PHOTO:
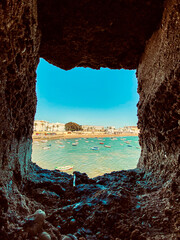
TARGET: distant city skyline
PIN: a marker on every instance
(88, 97)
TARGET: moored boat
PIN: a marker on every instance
(94, 148)
(64, 168)
(75, 144)
(107, 146)
(45, 148)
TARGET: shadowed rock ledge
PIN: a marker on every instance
(120, 205)
(98, 33)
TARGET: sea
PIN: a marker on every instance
(94, 156)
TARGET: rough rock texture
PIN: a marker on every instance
(159, 90)
(124, 205)
(132, 204)
(96, 33)
(19, 41)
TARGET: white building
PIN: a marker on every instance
(129, 129)
(56, 127)
(110, 130)
(92, 128)
(40, 125)
(44, 126)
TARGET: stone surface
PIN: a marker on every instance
(96, 33)
(159, 90)
(121, 205)
(126, 205)
(19, 41)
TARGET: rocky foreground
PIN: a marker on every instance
(120, 205)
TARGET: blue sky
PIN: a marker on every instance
(86, 96)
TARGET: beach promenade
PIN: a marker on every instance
(57, 135)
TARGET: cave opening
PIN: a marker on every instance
(103, 103)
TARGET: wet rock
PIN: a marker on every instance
(72, 236)
(44, 236)
(46, 197)
(34, 223)
(3, 201)
(135, 234)
(66, 237)
(81, 178)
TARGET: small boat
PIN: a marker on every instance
(76, 140)
(94, 148)
(86, 141)
(68, 142)
(75, 144)
(138, 147)
(113, 138)
(43, 141)
(64, 168)
(129, 145)
(49, 145)
(101, 143)
(45, 148)
(61, 146)
(107, 146)
(99, 138)
(121, 144)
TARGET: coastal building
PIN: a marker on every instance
(92, 128)
(56, 127)
(40, 125)
(110, 130)
(129, 129)
(44, 126)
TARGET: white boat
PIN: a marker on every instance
(75, 144)
(45, 148)
(64, 168)
(94, 148)
(107, 146)
(76, 140)
(43, 141)
(86, 141)
(61, 146)
(113, 138)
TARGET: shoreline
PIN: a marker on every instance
(75, 135)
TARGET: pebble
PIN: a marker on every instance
(40, 216)
(45, 236)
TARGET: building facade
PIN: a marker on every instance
(44, 126)
(92, 128)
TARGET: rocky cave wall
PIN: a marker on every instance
(19, 41)
(90, 34)
(159, 89)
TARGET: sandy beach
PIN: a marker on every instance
(79, 135)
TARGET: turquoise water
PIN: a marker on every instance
(119, 157)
